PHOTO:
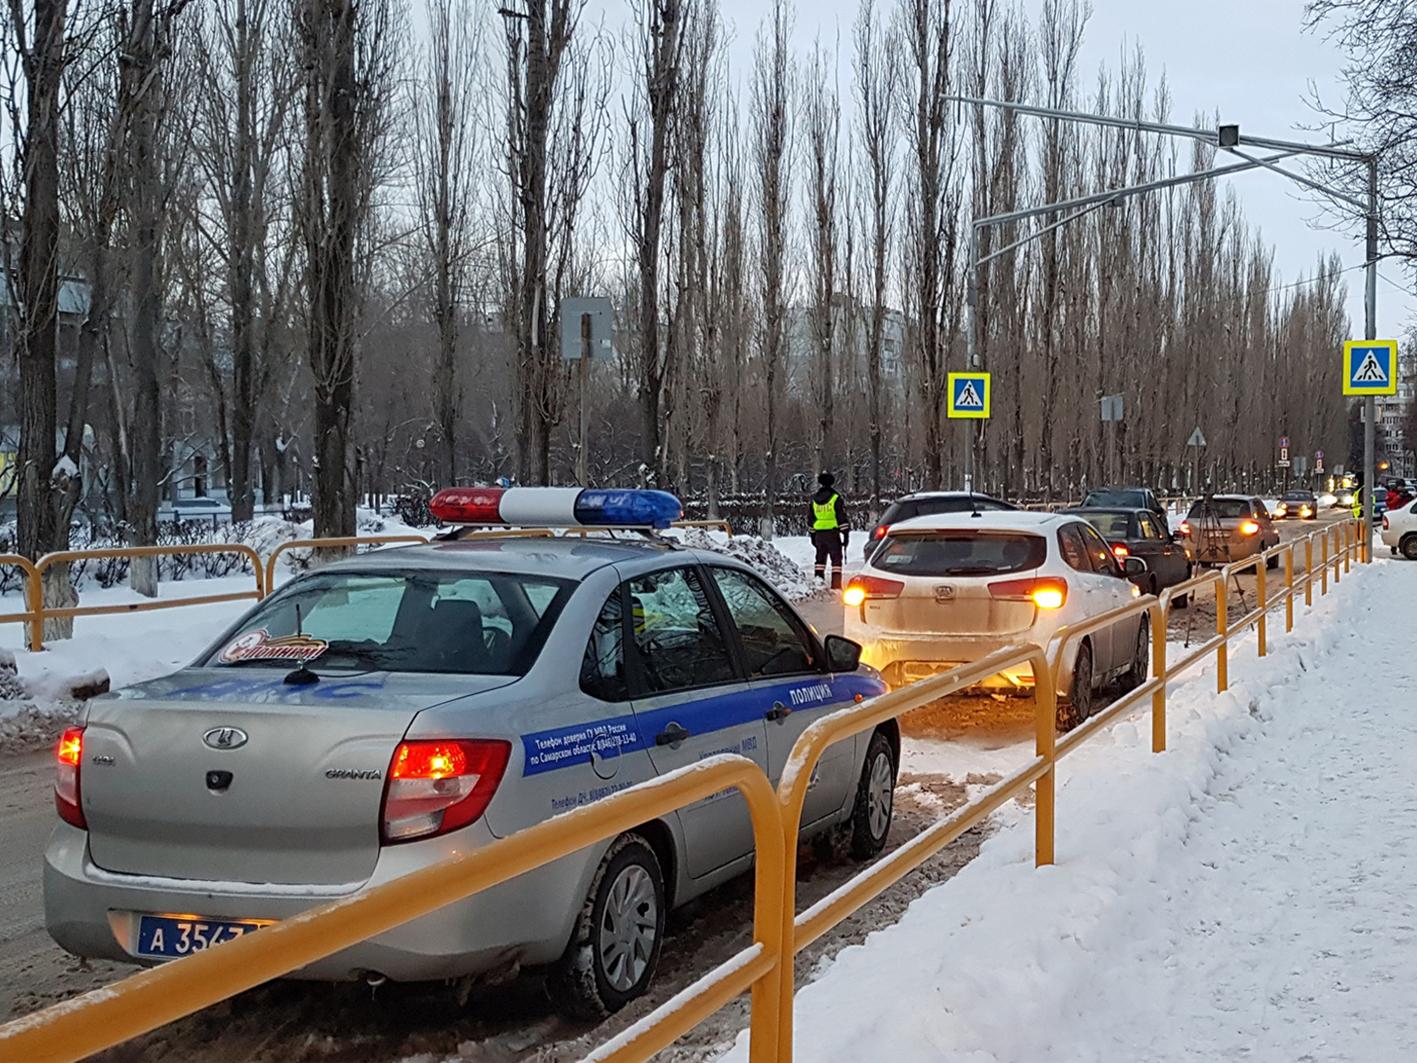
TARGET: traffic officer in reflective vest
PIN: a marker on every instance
(829, 529)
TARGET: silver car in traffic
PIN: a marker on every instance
(391, 710)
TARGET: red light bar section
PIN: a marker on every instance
(468, 505)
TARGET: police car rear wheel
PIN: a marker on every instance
(875, 799)
(614, 948)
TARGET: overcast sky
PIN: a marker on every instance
(1249, 60)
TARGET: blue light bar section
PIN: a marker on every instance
(632, 508)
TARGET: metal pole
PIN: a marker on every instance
(971, 352)
(582, 458)
(1370, 332)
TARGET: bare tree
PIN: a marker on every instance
(771, 135)
(539, 36)
(42, 44)
(349, 54)
(247, 91)
(924, 28)
(659, 48)
(446, 155)
(875, 85)
(821, 118)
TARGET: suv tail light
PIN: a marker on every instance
(1185, 528)
(862, 587)
(1046, 592)
(440, 785)
(880, 532)
(66, 781)
(1120, 550)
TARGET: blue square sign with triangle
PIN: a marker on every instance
(1370, 367)
(969, 395)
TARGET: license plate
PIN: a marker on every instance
(170, 936)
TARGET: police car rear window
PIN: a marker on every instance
(963, 553)
(460, 623)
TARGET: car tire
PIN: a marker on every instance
(1077, 706)
(1271, 562)
(614, 947)
(875, 799)
(1140, 668)
(1180, 601)
(1408, 546)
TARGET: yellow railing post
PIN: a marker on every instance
(1289, 588)
(1309, 570)
(1350, 533)
(1262, 626)
(1338, 555)
(1323, 545)
(1045, 720)
(1158, 671)
(34, 593)
(1222, 628)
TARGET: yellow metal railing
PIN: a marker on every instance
(29, 577)
(329, 544)
(105, 1017)
(63, 557)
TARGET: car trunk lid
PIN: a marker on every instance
(225, 775)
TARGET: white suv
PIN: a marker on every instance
(1400, 530)
(947, 589)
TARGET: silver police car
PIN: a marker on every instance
(390, 710)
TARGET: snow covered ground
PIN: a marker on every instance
(1247, 894)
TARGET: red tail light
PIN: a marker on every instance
(880, 533)
(1046, 592)
(862, 587)
(66, 782)
(1120, 550)
(440, 785)
(1249, 528)
(1386, 525)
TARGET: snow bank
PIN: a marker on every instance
(1104, 956)
(776, 567)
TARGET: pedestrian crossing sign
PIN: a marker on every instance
(969, 395)
(1370, 367)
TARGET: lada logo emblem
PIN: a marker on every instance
(225, 738)
(944, 592)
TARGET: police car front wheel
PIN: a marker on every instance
(615, 945)
(875, 799)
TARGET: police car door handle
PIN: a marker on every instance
(670, 735)
(779, 711)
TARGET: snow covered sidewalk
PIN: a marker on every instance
(1248, 894)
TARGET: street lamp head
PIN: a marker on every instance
(1228, 136)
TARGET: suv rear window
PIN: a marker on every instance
(1110, 525)
(1134, 499)
(960, 553)
(464, 623)
(1223, 508)
(929, 507)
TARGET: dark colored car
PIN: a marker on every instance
(1303, 505)
(928, 504)
(1126, 498)
(1138, 533)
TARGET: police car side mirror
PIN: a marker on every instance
(843, 655)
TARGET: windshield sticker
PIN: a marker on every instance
(259, 646)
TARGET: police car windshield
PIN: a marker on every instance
(464, 623)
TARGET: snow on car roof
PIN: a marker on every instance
(988, 520)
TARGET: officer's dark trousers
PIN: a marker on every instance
(828, 544)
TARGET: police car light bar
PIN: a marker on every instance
(559, 507)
